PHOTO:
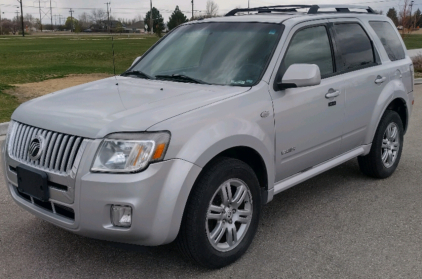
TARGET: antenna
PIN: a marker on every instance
(112, 47)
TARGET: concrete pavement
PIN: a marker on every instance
(414, 52)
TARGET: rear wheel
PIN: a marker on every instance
(386, 149)
(222, 214)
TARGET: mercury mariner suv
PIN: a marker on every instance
(209, 124)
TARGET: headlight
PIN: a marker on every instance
(124, 153)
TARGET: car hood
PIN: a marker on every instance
(117, 104)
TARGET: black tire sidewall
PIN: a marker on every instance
(209, 183)
(376, 149)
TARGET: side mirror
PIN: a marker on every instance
(136, 60)
(300, 75)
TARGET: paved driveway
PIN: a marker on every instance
(340, 224)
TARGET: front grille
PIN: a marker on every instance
(60, 150)
(52, 207)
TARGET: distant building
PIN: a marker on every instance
(137, 27)
(102, 26)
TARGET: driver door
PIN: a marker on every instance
(308, 124)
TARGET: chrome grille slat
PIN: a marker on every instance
(21, 142)
(59, 154)
(55, 150)
(50, 150)
(42, 160)
(73, 154)
(17, 140)
(66, 154)
(24, 153)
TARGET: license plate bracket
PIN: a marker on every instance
(33, 183)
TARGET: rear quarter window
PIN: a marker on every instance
(389, 39)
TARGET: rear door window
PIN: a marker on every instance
(389, 39)
(355, 46)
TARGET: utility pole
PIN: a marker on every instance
(151, 19)
(108, 15)
(411, 24)
(51, 16)
(1, 23)
(39, 5)
(23, 28)
(192, 9)
(17, 20)
(71, 19)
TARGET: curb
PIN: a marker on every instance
(417, 82)
(3, 128)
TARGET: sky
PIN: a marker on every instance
(132, 8)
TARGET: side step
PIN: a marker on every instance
(318, 169)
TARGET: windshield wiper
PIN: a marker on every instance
(181, 78)
(138, 74)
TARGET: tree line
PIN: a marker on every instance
(405, 18)
(98, 20)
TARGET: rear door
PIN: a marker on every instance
(364, 77)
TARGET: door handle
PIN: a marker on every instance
(380, 79)
(332, 94)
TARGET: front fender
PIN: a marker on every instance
(198, 136)
(395, 89)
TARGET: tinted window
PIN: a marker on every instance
(310, 46)
(389, 39)
(355, 46)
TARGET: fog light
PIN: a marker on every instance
(121, 216)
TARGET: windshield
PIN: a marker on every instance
(233, 54)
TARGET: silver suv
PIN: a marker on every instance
(211, 123)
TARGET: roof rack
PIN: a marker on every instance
(269, 9)
(313, 9)
(340, 8)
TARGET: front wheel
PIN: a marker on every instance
(386, 149)
(222, 214)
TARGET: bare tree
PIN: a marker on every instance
(84, 20)
(137, 18)
(211, 9)
(405, 16)
(98, 15)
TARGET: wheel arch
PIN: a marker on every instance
(394, 97)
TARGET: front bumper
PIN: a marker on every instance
(157, 196)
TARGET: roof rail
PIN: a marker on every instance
(340, 8)
(269, 9)
(313, 9)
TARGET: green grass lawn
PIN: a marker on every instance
(32, 59)
(7, 104)
(413, 41)
(37, 58)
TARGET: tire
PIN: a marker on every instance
(199, 227)
(382, 160)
